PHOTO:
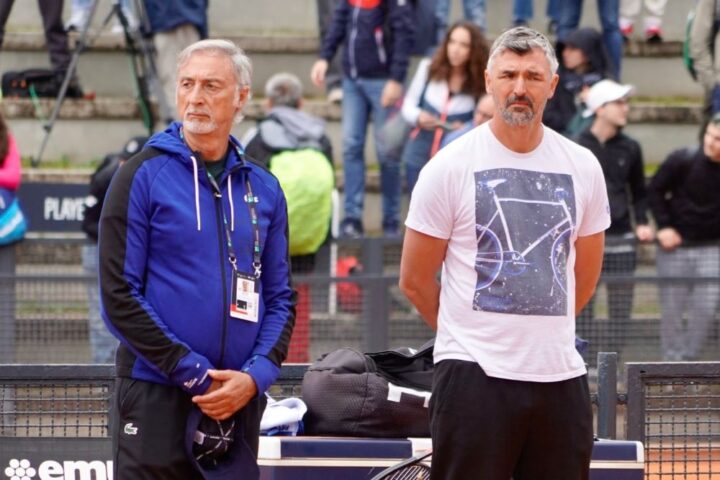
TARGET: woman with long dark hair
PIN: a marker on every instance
(443, 94)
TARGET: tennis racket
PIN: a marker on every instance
(412, 468)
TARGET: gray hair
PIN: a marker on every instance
(284, 90)
(522, 40)
(240, 61)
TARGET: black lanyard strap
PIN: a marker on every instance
(251, 201)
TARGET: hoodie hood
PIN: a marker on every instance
(170, 142)
(291, 129)
(590, 42)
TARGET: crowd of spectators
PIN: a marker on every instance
(590, 107)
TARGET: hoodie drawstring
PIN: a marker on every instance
(232, 206)
(197, 191)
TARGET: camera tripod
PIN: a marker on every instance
(141, 50)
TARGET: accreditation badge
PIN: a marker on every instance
(245, 297)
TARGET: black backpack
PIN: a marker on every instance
(36, 82)
(383, 394)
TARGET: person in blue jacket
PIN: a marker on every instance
(377, 38)
(195, 283)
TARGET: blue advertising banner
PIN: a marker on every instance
(53, 207)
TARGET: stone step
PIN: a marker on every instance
(104, 67)
(298, 17)
(655, 69)
(112, 108)
(89, 129)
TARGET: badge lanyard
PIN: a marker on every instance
(251, 200)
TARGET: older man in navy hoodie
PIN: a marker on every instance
(194, 274)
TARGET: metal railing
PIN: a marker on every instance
(44, 305)
(62, 411)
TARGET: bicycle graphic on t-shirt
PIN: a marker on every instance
(512, 248)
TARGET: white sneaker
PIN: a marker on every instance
(77, 21)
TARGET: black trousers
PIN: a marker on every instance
(149, 431)
(55, 35)
(494, 429)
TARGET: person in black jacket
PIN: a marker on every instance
(102, 343)
(377, 38)
(622, 163)
(685, 200)
(584, 62)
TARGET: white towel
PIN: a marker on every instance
(283, 417)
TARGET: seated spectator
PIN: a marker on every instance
(583, 63)
(621, 160)
(293, 144)
(685, 200)
(443, 94)
(484, 111)
(570, 12)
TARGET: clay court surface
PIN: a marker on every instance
(682, 464)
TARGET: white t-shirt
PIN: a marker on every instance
(507, 298)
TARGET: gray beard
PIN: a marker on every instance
(199, 127)
(517, 119)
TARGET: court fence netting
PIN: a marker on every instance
(52, 400)
(350, 297)
(53, 412)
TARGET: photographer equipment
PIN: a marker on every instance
(139, 47)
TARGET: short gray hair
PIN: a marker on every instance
(240, 61)
(284, 90)
(522, 40)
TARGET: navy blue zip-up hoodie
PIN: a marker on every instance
(165, 275)
(377, 36)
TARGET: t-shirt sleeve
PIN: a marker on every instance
(596, 217)
(431, 203)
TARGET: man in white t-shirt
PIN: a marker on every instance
(515, 215)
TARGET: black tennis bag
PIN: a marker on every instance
(42, 82)
(384, 394)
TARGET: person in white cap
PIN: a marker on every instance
(622, 163)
